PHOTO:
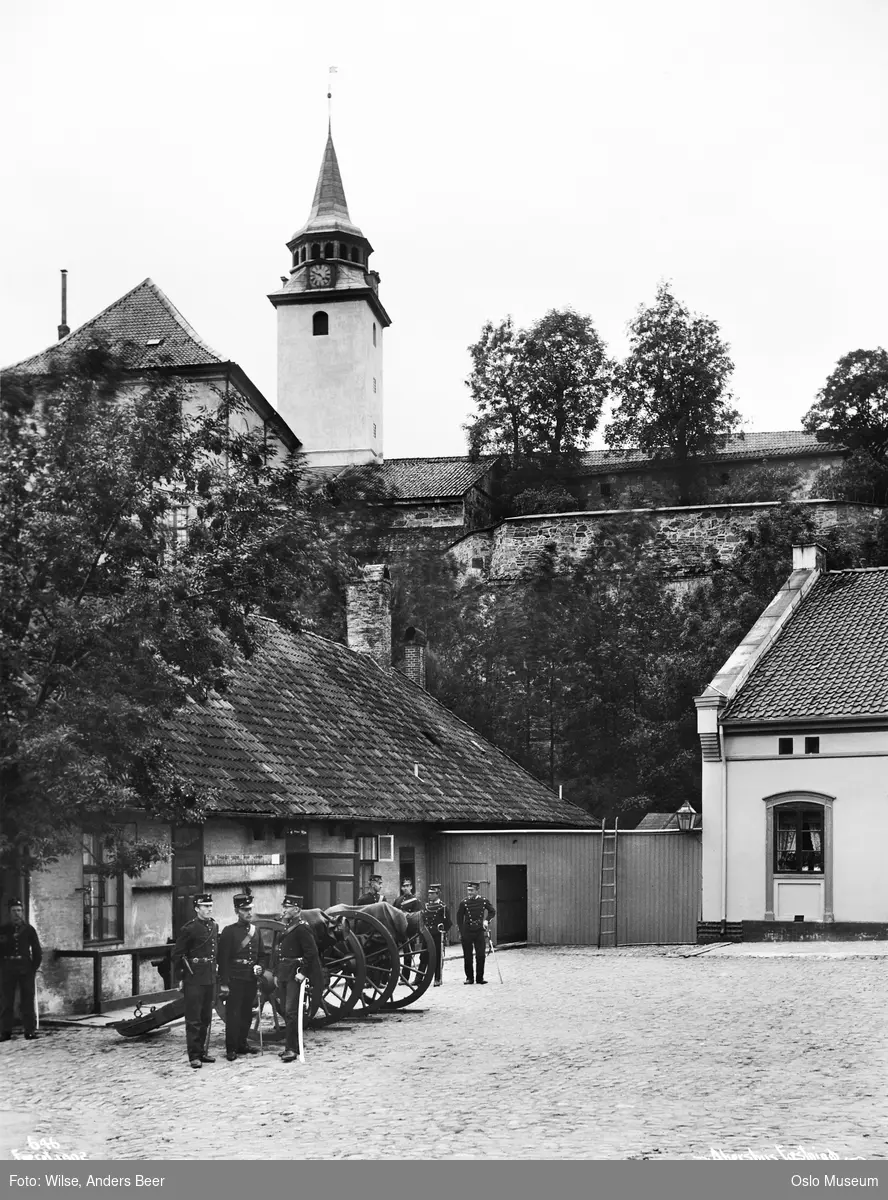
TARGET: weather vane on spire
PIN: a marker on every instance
(331, 72)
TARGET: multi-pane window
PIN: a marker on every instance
(102, 894)
(798, 839)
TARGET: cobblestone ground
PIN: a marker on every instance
(580, 1054)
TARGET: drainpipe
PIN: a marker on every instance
(724, 830)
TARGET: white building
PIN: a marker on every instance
(794, 734)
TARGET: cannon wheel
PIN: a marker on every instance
(418, 956)
(383, 961)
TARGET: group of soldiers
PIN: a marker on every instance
(205, 959)
(473, 919)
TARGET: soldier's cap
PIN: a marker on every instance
(434, 887)
(473, 883)
(376, 879)
(243, 900)
(291, 900)
(15, 902)
(203, 898)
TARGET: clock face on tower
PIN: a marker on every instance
(320, 275)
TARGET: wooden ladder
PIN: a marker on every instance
(607, 886)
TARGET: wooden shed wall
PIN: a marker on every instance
(658, 881)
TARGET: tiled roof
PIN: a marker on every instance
(660, 821)
(787, 443)
(829, 659)
(309, 728)
(147, 323)
(427, 478)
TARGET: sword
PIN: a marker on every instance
(300, 1020)
(493, 955)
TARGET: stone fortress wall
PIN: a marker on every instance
(684, 539)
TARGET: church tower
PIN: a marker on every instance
(330, 326)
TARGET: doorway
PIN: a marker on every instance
(511, 904)
(188, 861)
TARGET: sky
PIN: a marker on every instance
(502, 158)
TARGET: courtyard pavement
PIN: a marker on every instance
(642, 1053)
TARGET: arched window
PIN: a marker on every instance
(328, 250)
(320, 324)
(798, 839)
(295, 257)
(799, 862)
(356, 254)
(315, 250)
(343, 251)
(374, 333)
(304, 253)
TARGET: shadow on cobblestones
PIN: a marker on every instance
(635, 1053)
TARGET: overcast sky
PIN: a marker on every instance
(501, 158)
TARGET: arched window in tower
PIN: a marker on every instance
(304, 253)
(295, 257)
(315, 250)
(356, 254)
(320, 324)
(328, 250)
(374, 333)
(343, 251)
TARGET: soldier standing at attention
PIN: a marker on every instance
(436, 918)
(194, 966)
(20, 958)
(239, 971)
(375, 895)
(297, 957)
(472, 919)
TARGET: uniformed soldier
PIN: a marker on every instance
(472, 918)
(20, 958)
(194, 967)
(407, 902)
(376, 894)
(436, 918)
(297, 958)
(239, 972)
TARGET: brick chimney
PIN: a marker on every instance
(415, 655)
(369, 615)
(810, 556)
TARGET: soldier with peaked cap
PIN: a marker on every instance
(297, 958)
(408, 903)
(376, 894)
(20, 958)
(472, 918)
(194, 966)
(436, 918)
(239, 972)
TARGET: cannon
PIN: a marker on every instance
(372, 958)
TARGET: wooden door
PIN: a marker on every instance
(511, 904)
(188, 861)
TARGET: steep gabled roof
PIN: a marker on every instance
(657, 822)
(829, 659)
(147, 322)
(309, 728)
(425, 478)
(787, 443)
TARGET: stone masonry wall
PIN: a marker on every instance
(682, 538)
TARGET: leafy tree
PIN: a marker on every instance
(852, 406)
(138, 545)
(540, 390)
(672, 392)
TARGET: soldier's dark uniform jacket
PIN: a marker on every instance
(408, 904)
(472, 913)
(370, 898)
(196, 948)
(238, 953)
(296, 946)
(20, 951)
(436, 914)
